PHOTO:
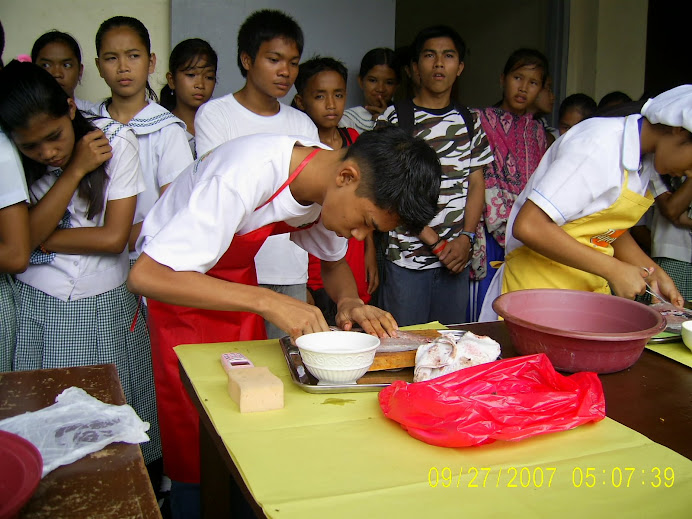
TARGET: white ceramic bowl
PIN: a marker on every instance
(337, 357)
(686, 332)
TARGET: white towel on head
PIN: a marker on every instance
(672, 108)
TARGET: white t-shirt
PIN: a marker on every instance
(76, 276)
(214, 199)
(279, 262)
(163, 152)
(357, 118)
(667, 240)
(582, 173)
(12, 181)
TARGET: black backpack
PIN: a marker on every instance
(404, 110)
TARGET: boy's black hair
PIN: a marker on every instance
(378, 56)
(187, 55)
(438, 31)
(27, 91)
(265, 25)
(614, 98)
(527, 58)
(399, 173)
(133, 24)
(316, 65)
(580, 102)
(53, 37)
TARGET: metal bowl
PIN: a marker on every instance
(579, 331)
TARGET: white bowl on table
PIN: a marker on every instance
(337, 357)
(686, 332)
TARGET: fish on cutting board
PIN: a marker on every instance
(451, 353)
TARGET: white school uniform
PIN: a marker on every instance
(215, 198)
(76, 310)
(279, 262)
(667, 240)
(582, 173)
(163, 152)
(76, 276)
(12, 191)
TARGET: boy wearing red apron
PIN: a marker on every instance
(570, 226)
(199, 241)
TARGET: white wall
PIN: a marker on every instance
(26, 20)
(342, 30)
(607, 48)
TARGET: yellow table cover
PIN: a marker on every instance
(674, 350)
(337, 456)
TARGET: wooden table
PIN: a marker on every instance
(110, 483)
(654, 397)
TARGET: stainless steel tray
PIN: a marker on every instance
(371, 381)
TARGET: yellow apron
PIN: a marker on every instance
(524, 268)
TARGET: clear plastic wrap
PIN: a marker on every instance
(76, 425)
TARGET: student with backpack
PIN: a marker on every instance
(426, 276)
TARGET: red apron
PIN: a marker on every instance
(171, 325)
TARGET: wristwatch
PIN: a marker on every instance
(471, 236)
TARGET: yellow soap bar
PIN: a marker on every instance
(255, 389)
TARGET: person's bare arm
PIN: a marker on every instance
(673, 205)
(186, 288)
(137, 227)
(537, 231)
(457, 252)
(89, 153)
(14, 238)
(627, 250)
(341, 287)
(373, 275)
(110, 238)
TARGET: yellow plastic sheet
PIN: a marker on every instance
(336, 455)
(674, 350)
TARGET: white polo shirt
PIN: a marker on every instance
(76, 276)
(582, 173)
(12, 181)
(164, 152)
(214, 199)
(667, 240)
(279, 262)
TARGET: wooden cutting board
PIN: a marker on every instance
(400, 359)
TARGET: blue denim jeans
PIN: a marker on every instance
(420, 296)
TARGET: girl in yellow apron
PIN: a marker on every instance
(570, 226)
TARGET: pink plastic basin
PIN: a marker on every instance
(579, 331)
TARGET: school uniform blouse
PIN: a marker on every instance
(667, 240)
(163, 152)
(583, 172)
(214, 199)
(76, 276)
(12, 181)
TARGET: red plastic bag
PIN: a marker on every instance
(508, 399)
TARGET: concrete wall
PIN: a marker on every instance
(26, 20)
(607, 48)
(343, 30)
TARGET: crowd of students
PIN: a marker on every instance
(235, 231)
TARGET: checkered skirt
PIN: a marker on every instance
(95, 330)
(8, 321)
(681, 274)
